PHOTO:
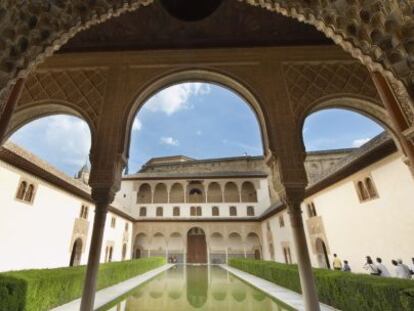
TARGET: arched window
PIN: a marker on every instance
(84, 212)
(21, 191)
(193, 211)
(371, 188)
(160, 193)
(362, 191)
(159, 212)
(311, 209)
(198, 210)
(214, 193)
(144, 195)
(281, 221)
(28, 197)
(176, 211)
(215, 211)
(233, 211)
(231, 192)
(143, 212)
(248, 193)
(250, 211)
(177, 193)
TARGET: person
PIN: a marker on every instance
(400, 271)
(369, 265)
(405, 267)
(381, 267)
(346, 267)
(337, 263)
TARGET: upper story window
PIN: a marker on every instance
(215, 211)
(84, 212)
(311, 209)
(126, 226)
(268, 226)
(250, 211)
(195, 211)
(176, 211)
(26, 192)
(159, 212)
(143, 212)
(113, 222)
(233, 211)
(281, 221)
(366, 189)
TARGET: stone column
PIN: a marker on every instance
(289, 181)
(307, 280)
(11, 102)
(102, 199)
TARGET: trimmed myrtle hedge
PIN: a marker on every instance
(345, 291)
(43, 289)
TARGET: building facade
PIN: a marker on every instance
(207, 211)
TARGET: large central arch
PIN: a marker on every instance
(195, 75)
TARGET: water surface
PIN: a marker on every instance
(206, 288)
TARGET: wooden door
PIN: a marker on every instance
(196, 248)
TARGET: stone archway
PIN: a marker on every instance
(322, 254)
(196, 246)
(75, 257)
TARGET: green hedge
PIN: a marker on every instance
(345, 291)
(42, 289)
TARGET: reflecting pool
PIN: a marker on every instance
(185, 288)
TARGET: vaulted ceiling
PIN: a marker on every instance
(233, 24)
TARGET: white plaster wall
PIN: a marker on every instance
(39, 235)
(114, 236)
(382, 227)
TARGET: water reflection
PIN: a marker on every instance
(204, 288)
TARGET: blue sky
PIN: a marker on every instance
(193, 119)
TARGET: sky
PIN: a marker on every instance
(198, 120)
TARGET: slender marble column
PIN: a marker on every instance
(307, 279)
(102, 202)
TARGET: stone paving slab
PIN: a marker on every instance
(285, 295)
(106, 295)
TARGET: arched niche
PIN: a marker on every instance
(141, 245)
(214, 193)
(177, 193)
(160, 193)
(231, 192)
(248, 192)
(144, 195)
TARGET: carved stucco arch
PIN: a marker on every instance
(195, 75)
(378, 33)
(369, 108)
(45, 108)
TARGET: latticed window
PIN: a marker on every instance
(233, 211)
(250, 211)
(84, 212)
(176, 211)
(113, 222)
(21, 191)
(159, 212)
(143, 212)
(311, 209)
(215, 211)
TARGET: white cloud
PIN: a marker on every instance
(70, 139)
(169, 141)
(176, 97)
(137, 125)
(359, 142)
